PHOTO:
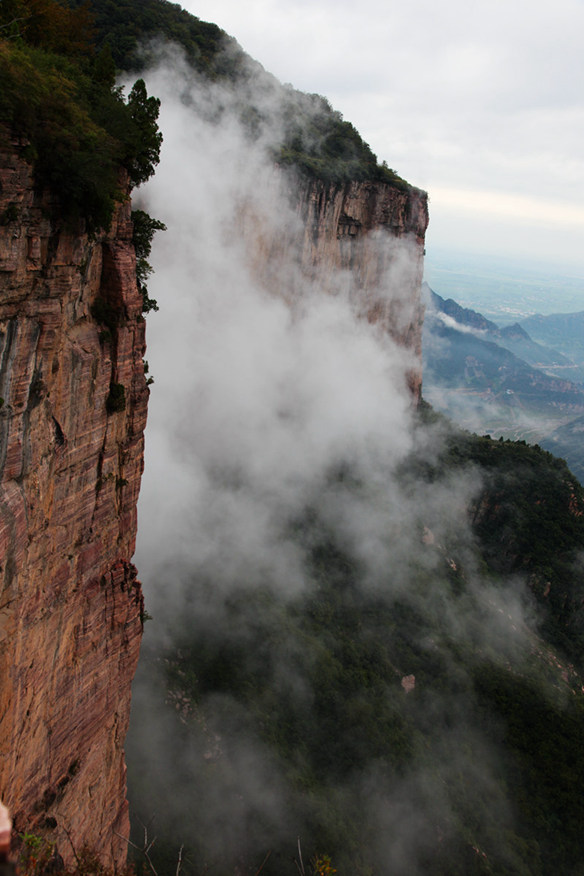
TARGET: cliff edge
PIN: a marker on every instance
(73, 400)
(363, 239)
(376, 232)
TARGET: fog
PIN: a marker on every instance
(259, 392)
(281, 420)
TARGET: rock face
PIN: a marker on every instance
(72, 416)
(362, 239)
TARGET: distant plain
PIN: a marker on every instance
(502, 289)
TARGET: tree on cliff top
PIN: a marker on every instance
(316, 140)
(59, 95)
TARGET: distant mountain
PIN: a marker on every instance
(514, 338)
(464, 316)
(565, 331)
(466, 352)
(501, 381)
(567, 442)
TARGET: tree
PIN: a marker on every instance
(144, 139)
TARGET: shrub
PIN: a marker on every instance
(116, 400)
(145, 228)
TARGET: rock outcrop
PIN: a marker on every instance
(361, 239)
(73, 400)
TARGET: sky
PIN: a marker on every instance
(479, 103)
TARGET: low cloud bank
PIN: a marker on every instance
(278, 494)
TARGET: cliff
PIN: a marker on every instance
(363, 239)
(71, 456)
(375, 231)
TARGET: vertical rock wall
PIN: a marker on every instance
(71, 457)
(363, 239)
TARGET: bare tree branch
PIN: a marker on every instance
(76, 856)
(179, 861)
(264, 862)
(145, 850)
(300, 866)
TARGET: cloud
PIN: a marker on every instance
(279, 460)
(260, 391)
(512, 208)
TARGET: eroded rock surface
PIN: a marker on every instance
(71, 457)
(360, 239)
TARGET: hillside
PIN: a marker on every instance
(408, 719)
(566, 442)
(314, 138)
(497, 380)
(562, 330)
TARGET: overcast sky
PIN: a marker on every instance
(480, 103)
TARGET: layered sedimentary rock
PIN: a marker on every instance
(73, 399)
(360, 239)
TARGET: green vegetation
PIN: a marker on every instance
(127, 26)
(316, 140)
(529, 520)
(323, 146)
(39, 856)
(59, 97)
(544, 763)
(116, 400)
(483, 753)
(145, 227)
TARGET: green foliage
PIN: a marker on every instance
(317, 679)
(35, 853)
(322, 866)
(60, 98)
(544, 762)
(529, 519)
(142, 146)
(323, 146)
(39, 856)
(316, 141)
(145, 228)
(50, 25)
(125, 24)
(116, 400)
(72, 155)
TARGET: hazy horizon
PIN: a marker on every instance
(503, 288)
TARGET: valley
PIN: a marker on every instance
(522, 380)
